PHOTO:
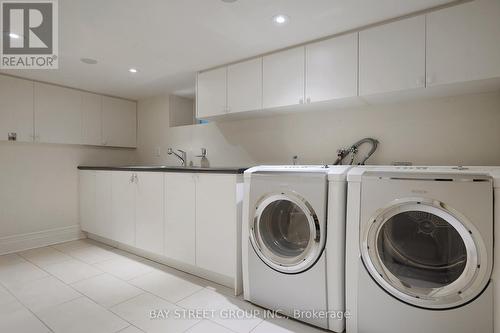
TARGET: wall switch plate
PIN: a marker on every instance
(157, 151)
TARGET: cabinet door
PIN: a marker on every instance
(244, 86)
(87, 190)
(58, 114)
(91, 119)
(119, 122)
(180, 217)
(463, 43)
(332, 68)
(123, 207)
(103, 212)
(392, 57)
(16, 108)
(216, 220)
(149, 212)
(283, 78)
(211, 93)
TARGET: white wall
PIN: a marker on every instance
(462, 130)
(181, 111)
(39, 185)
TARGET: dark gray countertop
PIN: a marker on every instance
(162, 168)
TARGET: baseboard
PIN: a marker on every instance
(33, 240)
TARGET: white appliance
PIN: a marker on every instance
(419, 253)
(288, 242)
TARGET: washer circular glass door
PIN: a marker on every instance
(425, 254)
(285, 233)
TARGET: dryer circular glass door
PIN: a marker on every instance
(286, 233)
(425, 254)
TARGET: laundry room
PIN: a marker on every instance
(276, 166)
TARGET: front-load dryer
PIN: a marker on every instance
(286, 242)
(419, 253)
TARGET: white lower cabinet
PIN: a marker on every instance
(201, 220)
(180, 217)
(123, 207)
(216, 227)
(194, 219)
(87, 180)
(103, 213)
(149, 211)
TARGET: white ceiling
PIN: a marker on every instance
(169, 40)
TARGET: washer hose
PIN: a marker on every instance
(353, 150)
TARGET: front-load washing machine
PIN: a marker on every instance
(288, 242)
(419, 252)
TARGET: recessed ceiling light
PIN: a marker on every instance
(280, 19)
(132, 70)
(14, 36)
(88, 61)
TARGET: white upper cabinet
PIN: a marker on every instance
(211, 99)
(392, 57)
(58, 114)
(91, 119)
(463, 43)
(244, 86)
(119, 122)
(332, 68)
(180, 217)
(41, 112)
(123, 207)
(16, 108)
(283, 78)
(149, 230)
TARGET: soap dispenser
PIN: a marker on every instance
(204, 163)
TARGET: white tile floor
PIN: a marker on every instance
(84, 286)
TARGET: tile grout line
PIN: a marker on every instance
(128, 299)
(70, 286)
(153, 269)
(81, 295)
(23, 305)
(57, 278)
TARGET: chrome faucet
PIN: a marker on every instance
(182, 157)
